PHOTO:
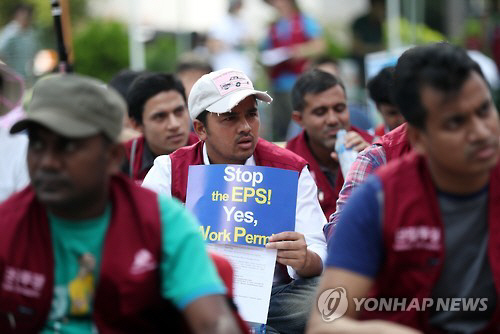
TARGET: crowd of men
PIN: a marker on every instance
(99, 241)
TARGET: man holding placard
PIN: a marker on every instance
(223, 107)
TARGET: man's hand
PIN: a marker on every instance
(293, 252)
(355, 141)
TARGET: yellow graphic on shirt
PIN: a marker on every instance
(81, 289)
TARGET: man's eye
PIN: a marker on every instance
(70, 146)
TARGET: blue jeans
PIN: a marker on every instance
(290, 306)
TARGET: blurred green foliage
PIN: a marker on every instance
(101, 49)
(161, 53)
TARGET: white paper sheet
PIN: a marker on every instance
(275, 56)
(253, 278)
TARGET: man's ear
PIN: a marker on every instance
(200, 129)
(418, 139)
(116, 152)
(135, 125)
(297, 117)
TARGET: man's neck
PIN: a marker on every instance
(457, 184)
(81, 210)
(322, 155)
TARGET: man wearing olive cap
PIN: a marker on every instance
(83, 249)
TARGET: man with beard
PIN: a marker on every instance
(223, 107)
(429, 224)
(320, 108)
(83, 249)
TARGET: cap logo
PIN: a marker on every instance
(231, 81)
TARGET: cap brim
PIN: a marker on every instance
(57, 122)
(230, 101)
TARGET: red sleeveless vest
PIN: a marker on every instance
(412, 267)
(125, 301)
(395, 143)
(137, 145)
(298, 36)
(265, 154)
(327, 194)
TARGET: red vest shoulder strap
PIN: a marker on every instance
(271, 155)
(395, 143)
(180, 162)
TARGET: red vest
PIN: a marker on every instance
(135, 160)
(125, 301)
(265, 154)
(298, 36)
(412, 270)
(327, 194)
(395, 143)
(380, 130)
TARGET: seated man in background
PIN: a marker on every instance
(320, 108)
(227, 122)
(428, 230)
(380, 90)
(157, 105)
(84, 249)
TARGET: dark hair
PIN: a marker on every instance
(380, 86)
(148, 85)
(312, 82)
(122, 80)
(441, 66)
(203, 117)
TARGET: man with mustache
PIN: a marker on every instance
(157, 107)
(137, 247)
(429, 225)
(223, 107)
(320, 108)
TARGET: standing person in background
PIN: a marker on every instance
(301, 36)
(368, 34)
(158, 107)
(13, 168)
(18, 43)
(85, 250)
(227, 41)
(380, 90)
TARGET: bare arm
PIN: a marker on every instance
(210, 315)
(311, 48)
(356, 286)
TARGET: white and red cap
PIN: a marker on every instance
(221, 91)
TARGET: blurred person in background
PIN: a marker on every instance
(300, 38)
(190, 70)
(368, 34)
(320, 107)
(18, 42)
(13, 167)
(228, 39)
(121, 81)
(158, 109)
(380, 90)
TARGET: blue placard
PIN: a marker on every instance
(239, 204)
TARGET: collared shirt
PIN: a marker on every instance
(309, 218)
(365, 164)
